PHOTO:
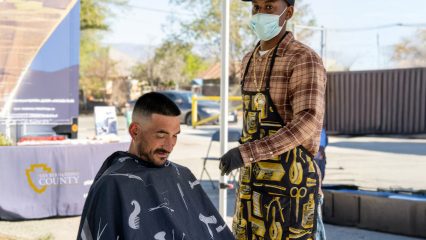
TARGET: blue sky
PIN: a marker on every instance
(357, 49)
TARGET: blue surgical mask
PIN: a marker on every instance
(266, 26)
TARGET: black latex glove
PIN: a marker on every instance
(230, 161)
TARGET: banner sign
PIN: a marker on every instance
(39, 61)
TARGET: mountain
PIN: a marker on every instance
(139, 52)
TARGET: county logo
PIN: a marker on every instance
(43, 168)
(41, 176)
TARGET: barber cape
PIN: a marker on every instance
(134, 199)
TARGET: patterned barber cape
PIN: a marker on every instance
(133, 199)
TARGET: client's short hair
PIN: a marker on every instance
(154, 102)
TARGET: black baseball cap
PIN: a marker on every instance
(290, 2)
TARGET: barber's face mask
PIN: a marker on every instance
(266, 26)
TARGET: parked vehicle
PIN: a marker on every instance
(183, 100)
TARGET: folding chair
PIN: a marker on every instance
(234, 135)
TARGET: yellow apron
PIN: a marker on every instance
(277, 198)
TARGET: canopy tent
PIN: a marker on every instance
(224, 86)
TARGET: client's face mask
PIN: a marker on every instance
(266, 26)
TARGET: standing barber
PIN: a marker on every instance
(283, 86)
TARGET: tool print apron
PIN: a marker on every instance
(277, 198)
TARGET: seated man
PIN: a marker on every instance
(140, 194)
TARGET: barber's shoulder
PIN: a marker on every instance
(246, 57)
(302, 50)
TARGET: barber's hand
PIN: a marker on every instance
(230, 161)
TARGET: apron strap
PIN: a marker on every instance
(247, 66)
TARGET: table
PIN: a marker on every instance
(50, 180)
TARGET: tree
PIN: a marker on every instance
(95, 12)
(204, 29)
(96, 68)
(145, 73)
(173, 64)
(92, 16)
(411, 52)
(95, 63)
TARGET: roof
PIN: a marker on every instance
(214, 72)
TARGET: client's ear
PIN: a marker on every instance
(134, 130)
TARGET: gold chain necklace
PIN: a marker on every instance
(258, 87)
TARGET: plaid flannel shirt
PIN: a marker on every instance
(297, 89)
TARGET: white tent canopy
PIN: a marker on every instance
(224, 86)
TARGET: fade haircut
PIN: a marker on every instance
(154, 102)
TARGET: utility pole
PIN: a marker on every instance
(324, 45)
(378, 49)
